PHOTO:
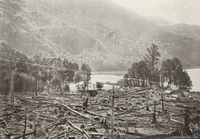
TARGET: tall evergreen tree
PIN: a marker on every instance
(172, 70)
(86, 73)
(143, 72)
(167, 70)
(132, 73)
(152, 56)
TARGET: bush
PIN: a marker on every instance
(99, 85)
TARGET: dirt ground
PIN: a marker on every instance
(63, 115)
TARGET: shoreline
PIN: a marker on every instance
(192, 68)
(193, 72)
(108, 72)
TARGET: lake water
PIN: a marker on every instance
(195, 77)
(113, 77)
(106, 78)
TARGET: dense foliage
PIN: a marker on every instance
(172, 70)
(86, 73)
(144, 72)
(33, 73)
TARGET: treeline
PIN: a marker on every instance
(20, 73)
(144, 72)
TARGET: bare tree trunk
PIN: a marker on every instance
(154, 114)
(36, 92)
(146, 82)
(32, 84)
(24, 85)
(147, 107)
(12, 86)
(143, 82)
(161, 81)
(169, 82)
(24, 132)
(87, 84)
(133, 81)
(162, 97)
(112, 129)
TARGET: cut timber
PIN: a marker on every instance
(103, 115)
(78, 113)
(81, 131)
(176, 121)
(124, 112)
(44, 115)
(118, 134)
(131, 133)
(27, 134)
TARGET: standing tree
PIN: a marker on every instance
(167, 70)
(143, 72)
(175, 63)
(77, 77)
(14, 70)
(152, 56)
(185, 81)
(86, 73)
(4, 82)
(70, 69)
(132, 73)
(182, 78)
(173, 71)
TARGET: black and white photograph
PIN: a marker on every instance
(99, 69)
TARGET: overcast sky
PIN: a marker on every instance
(178, 11)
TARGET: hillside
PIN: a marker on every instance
(100, 33)
(180, 40)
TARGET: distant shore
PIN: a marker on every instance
(194, 67)
(109, 72)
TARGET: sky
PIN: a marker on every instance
(177, 11)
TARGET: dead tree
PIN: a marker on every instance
(186, 121)
(162, 99)
(11, 91)
(104, 124)
(154, 114)
(25, 122)
(112, 130)
(85, 104)
(147, 107)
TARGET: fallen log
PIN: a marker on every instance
(124, 112)
(81, 131)
(27, 134)
(94, 114)
(78, 113)
(131, 133)
(96, 134)
(43, 115)
(176, 121)
(118, 134)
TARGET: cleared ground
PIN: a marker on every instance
(63, 115)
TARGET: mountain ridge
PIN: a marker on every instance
(99, 33)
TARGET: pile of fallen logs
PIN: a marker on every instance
(119, 113)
